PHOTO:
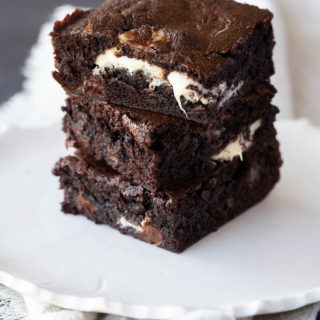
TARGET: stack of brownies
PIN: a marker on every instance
(170, 111)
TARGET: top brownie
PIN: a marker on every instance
(183, 57)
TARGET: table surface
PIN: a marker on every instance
(20, 21)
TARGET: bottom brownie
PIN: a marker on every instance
(172, 219)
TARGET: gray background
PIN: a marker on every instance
(20, 21)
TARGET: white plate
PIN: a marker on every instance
(267, 260)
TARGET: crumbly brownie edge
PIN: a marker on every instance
(176, 219)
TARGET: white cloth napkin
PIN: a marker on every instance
(303, 33)
(39, 102)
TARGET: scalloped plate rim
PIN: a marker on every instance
(105, 305)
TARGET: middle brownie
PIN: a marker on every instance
(157, 150)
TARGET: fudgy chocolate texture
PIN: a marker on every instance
(213, 41)
(158, 150)
(177, 218)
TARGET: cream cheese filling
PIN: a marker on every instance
(237, 147)
(182, 84)
(124, 223)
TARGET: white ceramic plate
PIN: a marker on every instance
(265, 261)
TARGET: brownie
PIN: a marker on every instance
(159, 150)
(187, 58)
(178, 217)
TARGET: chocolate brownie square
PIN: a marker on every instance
(187, 58)
(176, 218)
(159, 150)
